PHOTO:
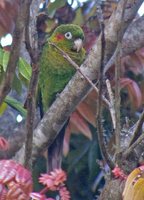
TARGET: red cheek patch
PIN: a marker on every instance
(59, 37)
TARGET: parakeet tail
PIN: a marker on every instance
(55, 151)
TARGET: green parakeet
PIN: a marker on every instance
(56, 71)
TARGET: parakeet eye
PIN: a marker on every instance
(68, 35)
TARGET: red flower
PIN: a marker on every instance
(38, 196)
(15, 180)
(16, 192)
(118, 173)
(3, 192)
(4, 145)
(64, 193)
(54, 179)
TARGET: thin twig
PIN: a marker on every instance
(133, 146)
(30, 104)
(111, 61)
(138, 128)
(129, 45)
(100, 134)
(45, 132)
(30, 101)
(117, 79)
(66, 56)
(117, 98)
(111, 98)
(15, 49)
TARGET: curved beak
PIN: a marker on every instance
(78, 44)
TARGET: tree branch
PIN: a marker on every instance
(115, 23)
(77, 88)
(133, 40)
(100, 132)
(133, 146)
(107, 103)
(111, 98)
(138, 129)
(135, 30)
(136, 139)
(66, 56)
(30, 101)
(117, 79)
(14, 55)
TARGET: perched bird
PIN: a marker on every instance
(55, 73)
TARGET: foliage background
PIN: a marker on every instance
(81, 147)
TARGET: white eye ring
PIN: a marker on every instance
(68, 35)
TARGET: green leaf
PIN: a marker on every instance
(1, 73)
(52, 7)
(77, 155)
(79, 17)
(93, 155)
(1, 56)
(3, 107)
(16, 105)
(5, 60)
(24, 69)
(1, 64)
(24, 81)
(17, 85)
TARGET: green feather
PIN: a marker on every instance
(56, 71)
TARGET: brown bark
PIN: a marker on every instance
(78, 87)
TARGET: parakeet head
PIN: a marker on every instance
(69, 37)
